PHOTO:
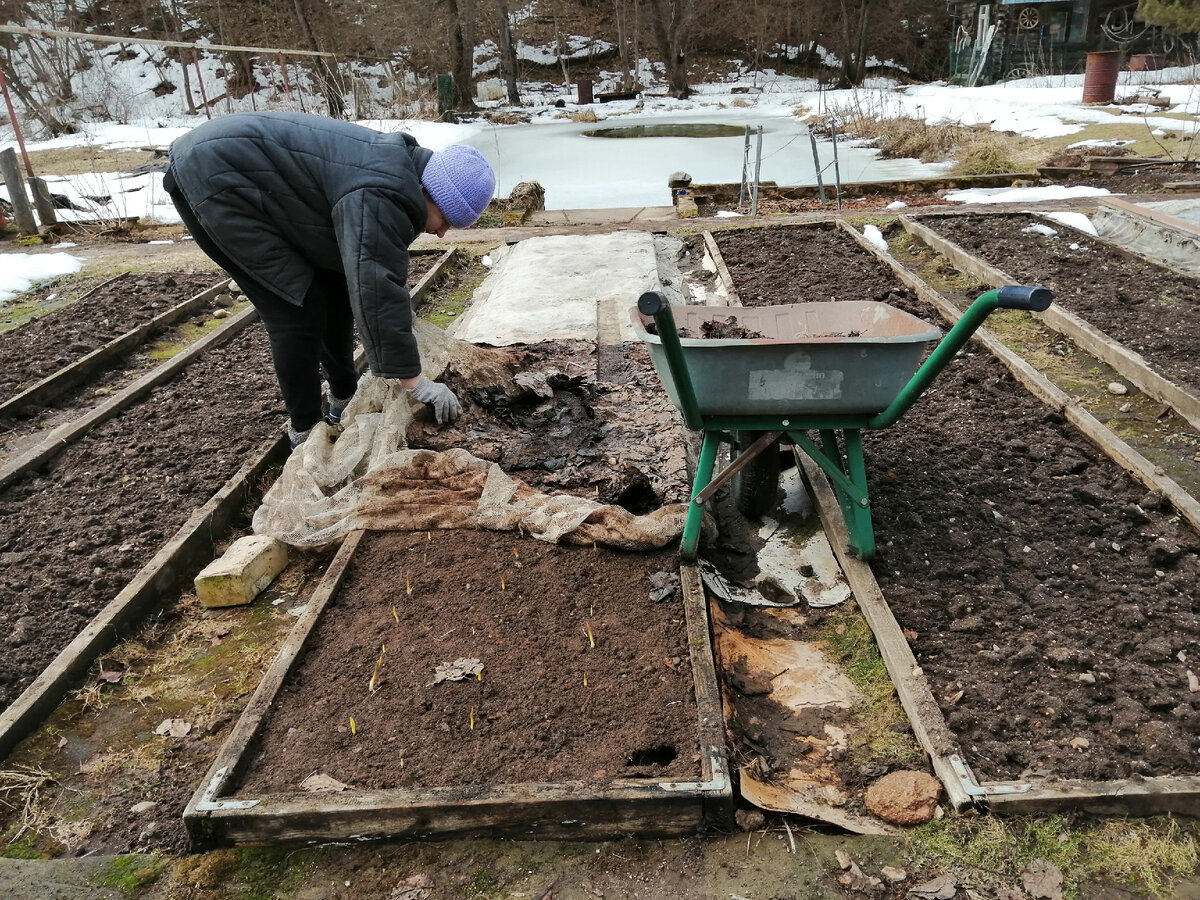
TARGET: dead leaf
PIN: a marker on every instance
(173, 728)
(1042, 880)
(318, 783)
(944, 887)
(112, 676)
(415, 887)
(463, 667)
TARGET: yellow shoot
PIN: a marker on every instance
(591, 637)
(472, 718)
(429, 537)
(501, 583)
(516, 555)
(408, 585)
(375, 674)
(594, 547)
(395, 615)
(353, 727)
(479, 675)
(585, 681)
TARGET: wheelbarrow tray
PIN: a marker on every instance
(846, 357)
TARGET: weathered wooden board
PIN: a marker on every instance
(216, 814)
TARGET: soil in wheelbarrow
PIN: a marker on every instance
(584, 676)
(589, 424)
(1148, 308)
(1050, 598)
(73, 536)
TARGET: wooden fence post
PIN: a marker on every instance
(22, 211)
(43, 201)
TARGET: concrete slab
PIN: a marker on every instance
(602, 216)
(565, 287)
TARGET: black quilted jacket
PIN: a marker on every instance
(284, 194)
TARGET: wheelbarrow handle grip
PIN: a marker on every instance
(1016, 296)
(650, 303)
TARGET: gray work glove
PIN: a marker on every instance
(445, 405)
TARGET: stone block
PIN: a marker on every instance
(241, 574)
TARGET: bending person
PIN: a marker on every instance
(313, 218)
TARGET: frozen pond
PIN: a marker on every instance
(584, 172)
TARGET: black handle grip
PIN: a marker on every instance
(651, 303)
(1015, 296)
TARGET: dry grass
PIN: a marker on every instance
(976, 150)
(583, 115)
(22, 788)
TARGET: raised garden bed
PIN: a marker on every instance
(1139, 317)
(44, 401)
(41, 346)
(595, 711)
(801, 264)
(1044, 592)
(77, 530)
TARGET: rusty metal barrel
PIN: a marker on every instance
(1100, 76)
(1145, 62)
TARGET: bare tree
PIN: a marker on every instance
(508, 56)
(673, 31)
(462, 51)
(328, 82)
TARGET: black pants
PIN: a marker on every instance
(317, 335)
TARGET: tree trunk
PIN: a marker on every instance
(856, 18)
(462, 51)
(508, 56)
(172, 21)
(672, 36)
(333, 97)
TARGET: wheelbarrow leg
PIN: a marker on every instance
(858, 515)
(704, 470)
(856, 509)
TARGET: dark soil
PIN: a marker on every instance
(72, 537)
(1049, 600)
(584, 678)
(1147, 308)
(726, 328)
(51, 342)
(419, 264)
(804, 264)
(609, 431)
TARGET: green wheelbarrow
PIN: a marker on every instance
(832, 368)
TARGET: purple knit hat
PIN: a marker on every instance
(460, 182)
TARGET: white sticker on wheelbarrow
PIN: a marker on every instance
(797, 380)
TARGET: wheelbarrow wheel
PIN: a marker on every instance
(756, 487)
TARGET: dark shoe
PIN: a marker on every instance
(334, 409)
